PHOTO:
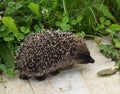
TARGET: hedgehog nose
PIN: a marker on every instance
(92, 60)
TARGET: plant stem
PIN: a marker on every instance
(64, 6)
(93, 15)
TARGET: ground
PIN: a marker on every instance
(81, 79)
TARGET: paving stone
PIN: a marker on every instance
(17, 86)
(2, 89)
(100, 85)
(67, 82)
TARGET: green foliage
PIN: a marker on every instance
(18, 18)
(9, 22)
(105, 10)
(111, 52)
(7, 62)
(34, 8)
(106, 27)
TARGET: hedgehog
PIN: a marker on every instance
(49, 52)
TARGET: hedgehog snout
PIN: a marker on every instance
(90, 60)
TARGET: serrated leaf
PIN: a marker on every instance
(34, 8)
(105, 10)
(9, 22)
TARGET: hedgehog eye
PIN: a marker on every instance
(73, 50)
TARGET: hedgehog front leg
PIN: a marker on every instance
(23, 77)
(55, 72)
(40, 78)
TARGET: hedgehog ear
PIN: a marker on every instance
(83, 40)
(73, 50)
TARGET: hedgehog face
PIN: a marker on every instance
(81, 54)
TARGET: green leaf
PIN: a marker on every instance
(9, 71)
(105, 10)
(58, 23)
(100, 26)
(3, 67)
(18, 5)
(118, 2)
(10, 4)
(34, 8)
(7, 55)
(106, 49)
(9, 11)
(37, 28)
(9, 22)
(107, 22)
(114, 27)
(117, 44)
(73, 22)
(81, 34)
(102, 20)
(79, 18)
(21, 36)
(65, 19)
(109, 30)
(65, 27)
(2, 28)
(4, 32)
(9, 38)
(25, 30)
(115, 40)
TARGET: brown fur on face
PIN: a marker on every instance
(81, 53)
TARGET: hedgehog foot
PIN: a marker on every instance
(39, 78)
(23, 77)
(55, 72)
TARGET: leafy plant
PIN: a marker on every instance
(34, 8)
(113, 49)
(111, 52)
(9, 23)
